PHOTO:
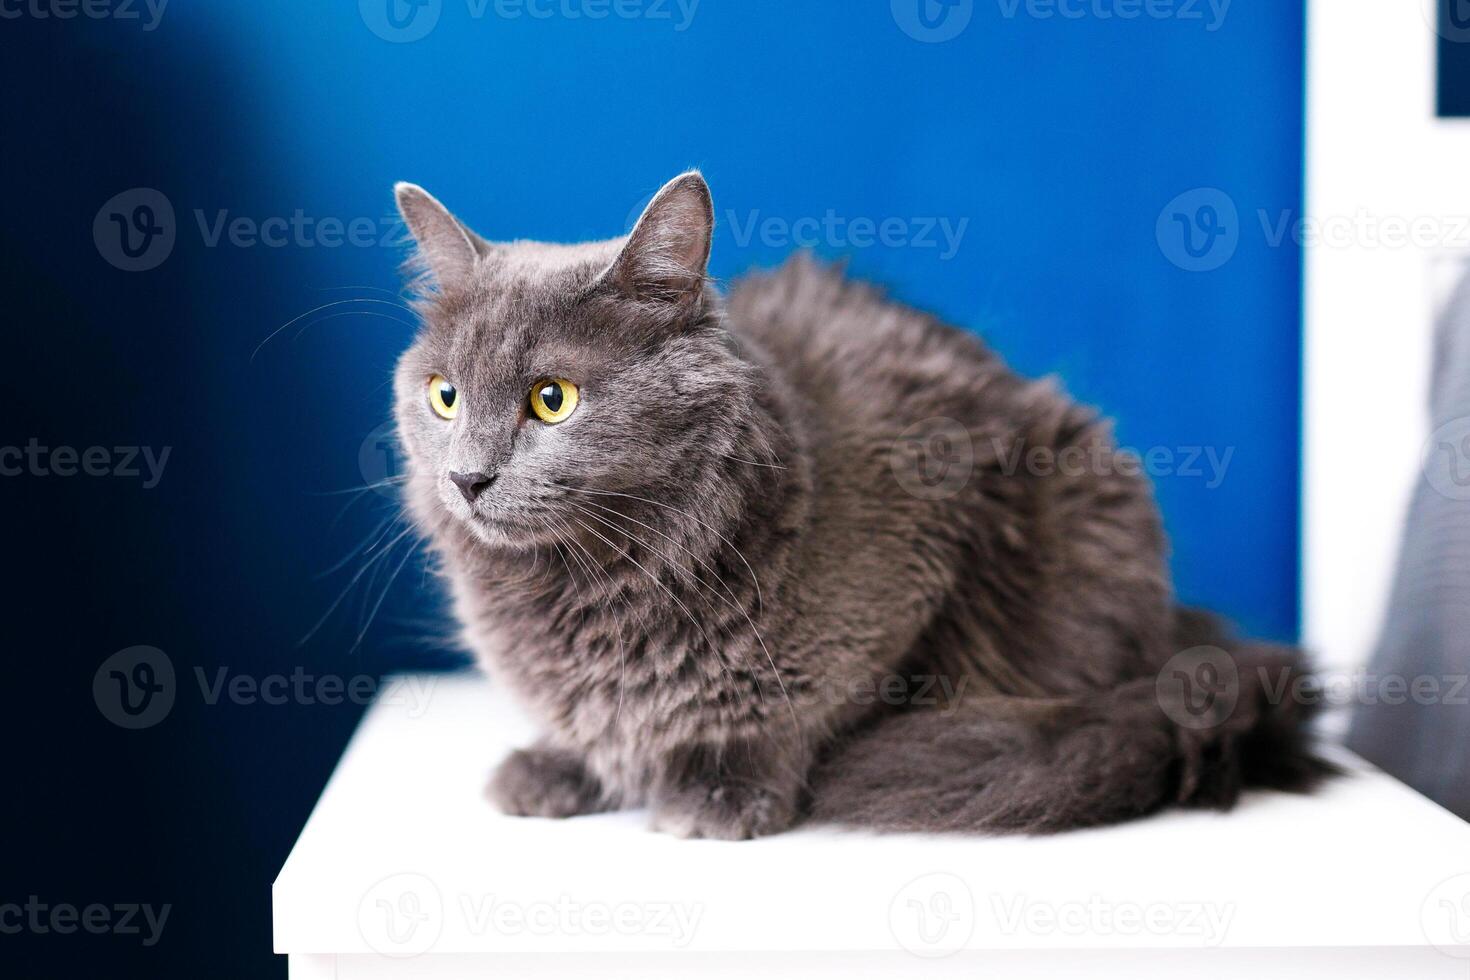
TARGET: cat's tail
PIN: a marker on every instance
(1214, 721)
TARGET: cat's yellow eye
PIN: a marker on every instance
(553, 400)
(443, 397)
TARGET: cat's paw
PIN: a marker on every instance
(731, 811)
(542, 782)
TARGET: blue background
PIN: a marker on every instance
(1062, 142)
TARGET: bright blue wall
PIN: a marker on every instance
(1060, 141)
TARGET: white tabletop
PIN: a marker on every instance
(404, 856)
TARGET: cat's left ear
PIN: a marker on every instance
(444, 247)
(667, 253)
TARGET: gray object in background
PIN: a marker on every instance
(1423, 737)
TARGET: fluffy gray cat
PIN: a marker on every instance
(756, 558)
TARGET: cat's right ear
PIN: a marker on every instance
(446, 249)
(667, 252)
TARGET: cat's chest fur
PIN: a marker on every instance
(632, 655)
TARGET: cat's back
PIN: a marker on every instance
(916, 434)
(858, 358)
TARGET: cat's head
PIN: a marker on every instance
(546, 377)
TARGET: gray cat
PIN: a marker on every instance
(761, 557)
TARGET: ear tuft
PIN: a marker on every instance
(667, 253)
(445, 250)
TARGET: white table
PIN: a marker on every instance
(404, 869)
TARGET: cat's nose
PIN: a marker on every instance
(470, 484)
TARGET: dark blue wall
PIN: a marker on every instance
(1063, 144)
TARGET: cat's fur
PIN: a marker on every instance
(734, 592)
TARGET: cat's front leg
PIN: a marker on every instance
(736, 791)
(544, 781)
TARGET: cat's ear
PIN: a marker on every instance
(667, 253)
(446, 249)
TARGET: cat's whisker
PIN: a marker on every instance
(622, 648)
(382, 316)
(594, 568)
(385, 527)
(755, 581)
(759, 601)
(672, 565)
(370, 289)
(557, 548)
(753, 462)
(689, 551)
(373, 613)
(731, 602)
(353, 582)
(377, 485)
(714, 648)
(536, 548)
(342, 511)
(325, 306)
(656, 581)
(565, 541)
